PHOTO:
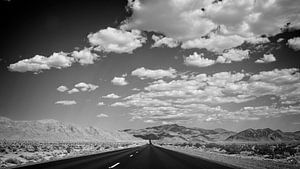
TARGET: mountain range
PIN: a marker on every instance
(174, 133)
(53, 130)
(265, 135)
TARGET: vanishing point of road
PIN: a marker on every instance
(142, 157)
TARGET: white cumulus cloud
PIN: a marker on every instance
(66, 102)
(62, 88)
(120, 81)
(116, 40)
(39, 63)
(85, 56)
(119, 104)
(74, 90)
(197, 60)
(160, 41)
(111, 96)
(216, 43)
(201, 96)
(102, 115)
(144, 73)
(228, 23)
(86, 86)
(266, 59)
(233, 55)
(294, 43)
(149, 121)
(257, 40)
(100, 104)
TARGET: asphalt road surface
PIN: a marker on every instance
(143, 157)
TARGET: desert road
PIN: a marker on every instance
(142, 157)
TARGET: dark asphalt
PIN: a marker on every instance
(143, 157)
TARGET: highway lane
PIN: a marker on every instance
(143, 157)
(154, 157)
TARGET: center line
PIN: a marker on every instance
(114, 165)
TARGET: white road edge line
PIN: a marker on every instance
(114, 165)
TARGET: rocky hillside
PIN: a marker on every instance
(174, 133)
(264, 135)
(53, 130)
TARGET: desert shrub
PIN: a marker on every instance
(27, 157)
(2, 150)
(197, 145)
(290, 150)
(13, 161)
(68, 149)
(212, 145)
(264, 150)
(233, 149)
(186, 144)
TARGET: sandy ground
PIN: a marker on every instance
(247, 162)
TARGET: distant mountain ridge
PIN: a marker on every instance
(53, 130)
(174, 133)
(264, 135)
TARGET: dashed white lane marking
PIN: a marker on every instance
(131, 155)
(114, 165)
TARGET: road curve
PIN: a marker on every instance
(142, 157)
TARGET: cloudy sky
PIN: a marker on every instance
(131, 64)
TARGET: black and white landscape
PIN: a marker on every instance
(150, 84)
